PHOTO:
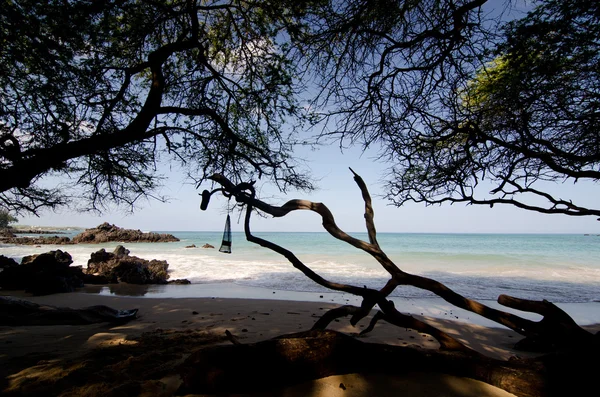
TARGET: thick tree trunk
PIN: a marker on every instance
(295, 358)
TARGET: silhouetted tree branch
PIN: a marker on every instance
(555, 330)
(456, 100)
(104, 92)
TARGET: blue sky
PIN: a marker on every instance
(339, 192)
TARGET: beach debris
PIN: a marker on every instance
(15, 311)
(232, 338)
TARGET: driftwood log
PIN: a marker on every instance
(557, 332)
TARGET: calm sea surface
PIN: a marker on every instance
(560, 268)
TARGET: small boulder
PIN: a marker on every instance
(208, 246)
(43, 274)
(180, 281)
(53, 261)
(6, 262)
(121, 251)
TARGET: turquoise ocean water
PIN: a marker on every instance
(560, 268)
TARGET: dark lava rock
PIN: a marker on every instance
(43, 274)
(107, 232)
(55, 240)
(180, 281)
(118, 266)
(7, 262)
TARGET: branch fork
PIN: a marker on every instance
(554, 331)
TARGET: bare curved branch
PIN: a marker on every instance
(245, 194)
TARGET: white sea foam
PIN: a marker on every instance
(557, 268)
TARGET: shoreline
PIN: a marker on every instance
(250, 320)
(584, 313)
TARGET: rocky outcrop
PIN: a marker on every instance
(35, 231)
(107, 232)
(119, 266)
(45, 274)
(6, 232)
(208, 246)
(55, 240)
(9, 236)
(51, 272)
(6, 262)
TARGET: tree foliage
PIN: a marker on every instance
(103, 91)
(455, 98)
(535, 112)
(6, 218)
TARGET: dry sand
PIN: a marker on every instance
(30, 354)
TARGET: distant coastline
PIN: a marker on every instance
(33, 229)
(18, 228)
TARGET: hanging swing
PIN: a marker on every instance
(226, 243)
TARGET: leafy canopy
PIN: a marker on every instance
(535, 109)
(6, 219)
(102, 92)
(455, 98)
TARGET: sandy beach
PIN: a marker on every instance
(30, 354)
